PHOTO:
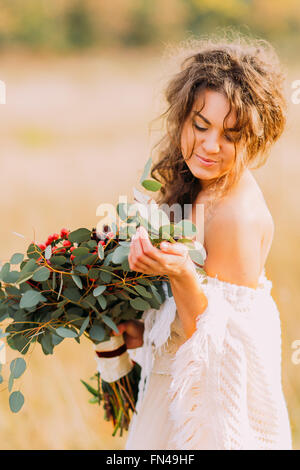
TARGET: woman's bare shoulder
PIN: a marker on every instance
(238, 238)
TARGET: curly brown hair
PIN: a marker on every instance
(247, 71)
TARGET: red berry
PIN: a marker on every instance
(64, 233)
(72, 257)
(72, 248)
(102, 242)
(67, 243)
(91, 279)
(42, 246)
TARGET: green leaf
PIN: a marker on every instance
(98, 291)
(4, 272)
(17, 258)
(105, 276)
(31, 298)
(196, 256)
(120, 254)
(109, 322)
(80, 235)
(82, 269)
(77, 281)
(139, 304)
(142, 291)
(82, 250)
(41, 274)
(186, 228)
(34, 251)
(24, 277)
(46, 343)
(72, 293)
(65, 332)
(16, 401)
(17, 367)
(122, 210)
(151, 185)
(10, 382)
(84, 326)
(102, 301)
(92, 244)
(12, 277)
(94, 273)
(56, 339)
(146, 170)
(59, 260)
(89, 388)
(97, 333)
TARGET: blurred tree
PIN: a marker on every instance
(78, 24)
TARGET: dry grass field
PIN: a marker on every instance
(74, 134)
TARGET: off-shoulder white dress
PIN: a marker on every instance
(219, 389)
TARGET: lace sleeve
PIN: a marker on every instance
(225, 390)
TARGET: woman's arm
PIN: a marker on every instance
(189, 298)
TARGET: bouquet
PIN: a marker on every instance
(79, 283)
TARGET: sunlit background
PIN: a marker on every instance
(84, 79)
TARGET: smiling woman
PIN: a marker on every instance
(211, 378)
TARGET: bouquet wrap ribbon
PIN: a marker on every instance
(113, 360)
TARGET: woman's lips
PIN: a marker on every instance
(204, 161)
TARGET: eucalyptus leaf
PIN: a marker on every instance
(98, 290)
(79, 235)
(77, 281)
(142, 291)
(97, 333)
(139, 304)
(151, 185)
(102, 301)
(16, 401)
(120, 254)
(31, 298)
(65, 332)
(146, 170)
(84, 326)
(17, 258)
(109, 322)
(17, 367)
(105, 276)
(41, 274)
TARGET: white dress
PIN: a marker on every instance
(219, 389)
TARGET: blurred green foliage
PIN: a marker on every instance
(66, 24)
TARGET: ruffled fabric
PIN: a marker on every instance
(226, 390)
(225, 380)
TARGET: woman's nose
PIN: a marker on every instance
(211, 145)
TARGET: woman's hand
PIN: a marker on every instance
(172, 259)
(133, 331)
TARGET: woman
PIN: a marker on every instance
(211, 367)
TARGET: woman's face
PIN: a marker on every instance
(212, 143)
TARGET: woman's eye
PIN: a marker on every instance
(200, 128)
(228, 137)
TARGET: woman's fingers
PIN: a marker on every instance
(174, 248)
(146, 245)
